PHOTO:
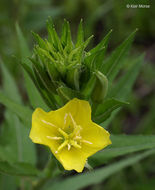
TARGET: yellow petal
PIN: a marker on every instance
(80, 110)
(73, 159)
(94, 138)
(42, 128)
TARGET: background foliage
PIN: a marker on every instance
(18, 154)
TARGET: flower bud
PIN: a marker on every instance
(101, 87)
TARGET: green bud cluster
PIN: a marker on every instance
(63, 70)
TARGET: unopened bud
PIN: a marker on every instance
(101, 87)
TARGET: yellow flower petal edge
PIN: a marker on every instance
(70, 133)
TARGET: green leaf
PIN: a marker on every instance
(15, 144)
(33, 94)
(8, 182)
(6, 154)
(18, 169)
(124, 85)
(147, 120)
(98, 175)
(105, 109)
(9, 84)
(122, 145)
(24, 113)
(112, 65)
(24, 50)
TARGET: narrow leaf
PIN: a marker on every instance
(99, 175)
(33, 94)
(15, 142)
(124, 85)
(112, 65)
(122, 145)
(23, 112)
(9, 84)
(105, 109)
(18, 169)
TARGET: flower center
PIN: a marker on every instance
(70, 140)
(69, 137)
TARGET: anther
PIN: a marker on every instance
(69, 146)
(77, 137)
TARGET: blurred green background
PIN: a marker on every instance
(99, 17)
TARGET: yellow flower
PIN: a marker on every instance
(70, 133)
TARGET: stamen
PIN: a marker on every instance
(54, 138)
(74, 124)
(48, 123)
(86, 141)
(63, 133)
(74, 143)
(65, 119)
(62, 145)
(76, 131)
